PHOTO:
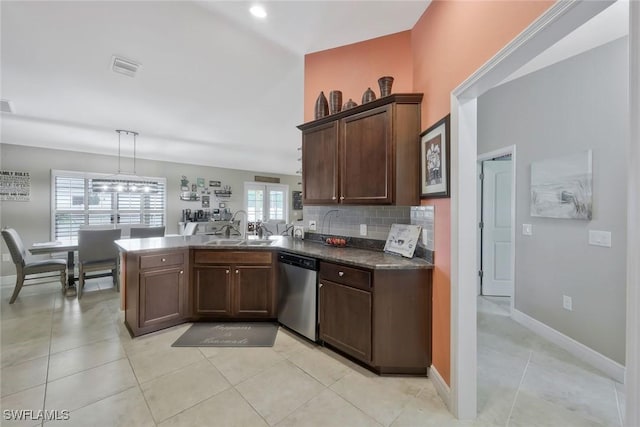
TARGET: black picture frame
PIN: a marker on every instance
(297, 200)
(435, 162)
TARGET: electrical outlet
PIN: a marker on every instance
(527, 229)
(312, 225)
(363, 229)
(6, 258)
(567, 303)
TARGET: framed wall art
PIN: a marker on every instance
(435, 160)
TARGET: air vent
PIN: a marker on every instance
(124, 66)
(6, 106)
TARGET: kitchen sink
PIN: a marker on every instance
(225, 242)
(257, 242)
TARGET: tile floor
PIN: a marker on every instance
(61, 354)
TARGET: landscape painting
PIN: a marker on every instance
(562, 187)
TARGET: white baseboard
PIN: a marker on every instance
(581, 351)
(441, 386)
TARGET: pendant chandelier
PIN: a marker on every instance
(123, 183)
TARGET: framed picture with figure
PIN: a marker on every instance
(434, 160)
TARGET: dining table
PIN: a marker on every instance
(68, 246)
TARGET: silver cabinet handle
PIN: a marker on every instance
(320, 285)
(181, 271)
(341, 197)
(227, 271)
(333, 198)
(164, 260)
(237, 271)
(340, 273)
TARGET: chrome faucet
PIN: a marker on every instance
(243, 228)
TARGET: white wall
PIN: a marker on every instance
(571, 106)
(33, 220)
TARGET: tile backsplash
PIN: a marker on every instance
(346, 220)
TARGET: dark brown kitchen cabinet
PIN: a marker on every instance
(233, 284)
(369, 154)
(156, 290)
(345, 319)
(380, 317)
(320, 164)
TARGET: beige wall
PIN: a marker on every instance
(32, 219)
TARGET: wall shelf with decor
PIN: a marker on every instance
(223, 194)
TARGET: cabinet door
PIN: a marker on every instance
(345, 319)
(162, 297)
(367, 158)
(212, 291)
(253, 291)
(320, 164)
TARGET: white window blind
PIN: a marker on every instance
(75, 204)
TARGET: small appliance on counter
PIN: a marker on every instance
(298, 232)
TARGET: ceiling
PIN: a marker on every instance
(216, 87)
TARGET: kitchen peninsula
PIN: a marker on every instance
(373, 306)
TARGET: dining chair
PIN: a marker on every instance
(97, 252)
(190, 229)
(24, 268)
(142, 232)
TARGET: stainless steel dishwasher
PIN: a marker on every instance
(298, 294)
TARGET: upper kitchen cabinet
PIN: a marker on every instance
(366, 155)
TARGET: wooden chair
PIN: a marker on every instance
(24, 268)
(97, 252)
(143, 232)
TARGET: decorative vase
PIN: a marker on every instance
(385, 85)
(349, 104)
(368, 96)
(322, 106)
(335, 101)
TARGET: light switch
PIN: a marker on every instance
(312, 225)
(527, 229)
(363, 229)
(600, 238)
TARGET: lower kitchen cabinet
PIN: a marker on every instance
(233, 284)
(345, 319)
(156, 290)
(380, 317)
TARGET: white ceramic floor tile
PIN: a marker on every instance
(86, 387)
(124, 409)
(328, 410)
(569, 386)
(533, 411)
(238, 364)
(151, 364)
(30, 399)
(13, 354)
(428, 410)
(382, 398)
(226, 409)
(279, 390)
(83, 358)
(25, 375)
(172, 393)
(322, 364)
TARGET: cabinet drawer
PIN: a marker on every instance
(161, 260)
(233, 257)
(345, 275)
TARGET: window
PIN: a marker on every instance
(266, 202)
(73, 203)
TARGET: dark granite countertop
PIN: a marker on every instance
(350, 256)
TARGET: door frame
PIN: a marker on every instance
(559, 20)
(511, 149)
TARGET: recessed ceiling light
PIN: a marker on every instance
(258, 11)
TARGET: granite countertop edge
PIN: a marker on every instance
(348, 256)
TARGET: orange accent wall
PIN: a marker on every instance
(450, 41)
(355, 67)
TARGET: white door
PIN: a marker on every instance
(497, 271)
